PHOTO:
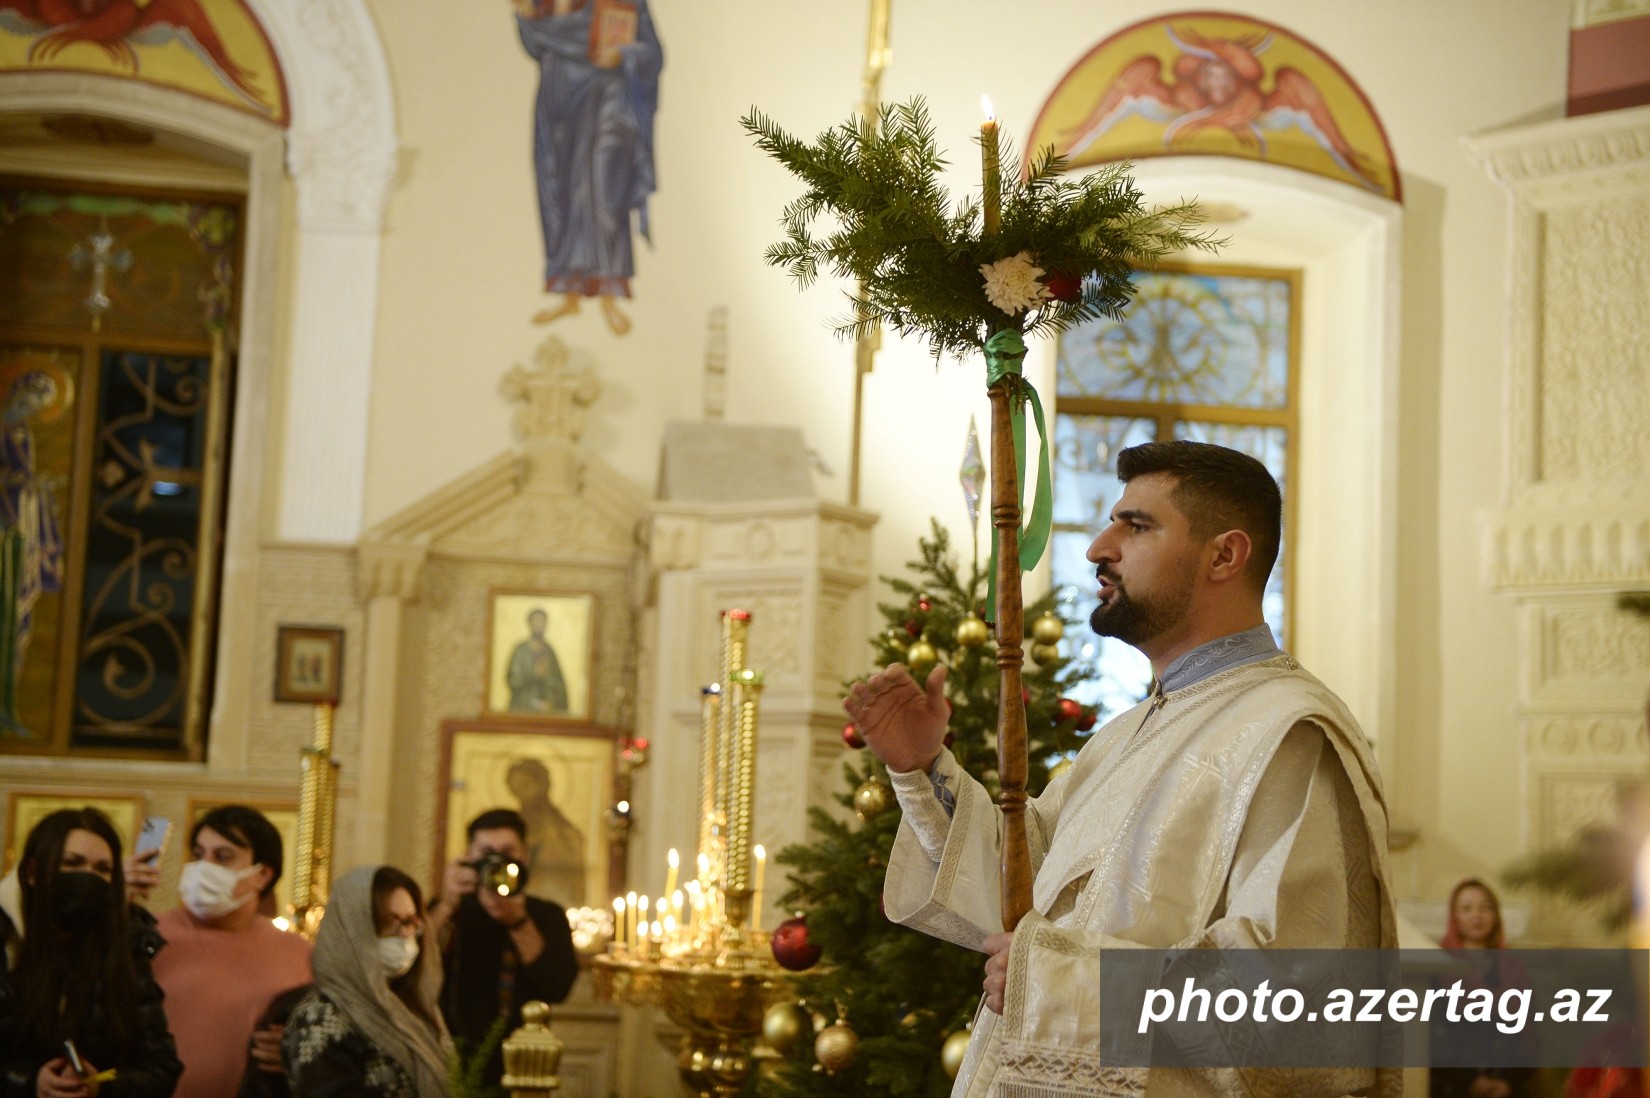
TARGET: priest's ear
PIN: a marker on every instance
(1231, 552)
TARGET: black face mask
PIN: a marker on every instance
(80, 901)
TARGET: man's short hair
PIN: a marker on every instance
(495, 818)
(1217, 489)
(248, 829)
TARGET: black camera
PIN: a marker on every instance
(499, 874)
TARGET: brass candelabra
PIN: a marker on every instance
(704, 959)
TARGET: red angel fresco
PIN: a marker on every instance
(115, 25)
(1215, 84)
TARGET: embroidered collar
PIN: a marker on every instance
(1221, 654)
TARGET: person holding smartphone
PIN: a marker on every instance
(80, 1012)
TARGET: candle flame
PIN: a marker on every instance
(985, 105)
(673, 859)
(761, 854)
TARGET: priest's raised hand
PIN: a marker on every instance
(903, 724)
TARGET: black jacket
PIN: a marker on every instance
(150, 1071)
(484, 981)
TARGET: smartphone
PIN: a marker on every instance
(75, 1061)
(152, 837)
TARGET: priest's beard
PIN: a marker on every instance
(1136, 620)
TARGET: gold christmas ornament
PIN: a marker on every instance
(785, 1024)
(916, 1018)
(953, 1051)
(872, 798)
(921, 658)
(1048, 628)
(837, 1047)
(972, 632)
(1045, 654)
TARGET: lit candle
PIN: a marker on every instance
(993, 200)
(756, 897)
(618, 918)
(676, 904)
(704, 869)
(672, 861)
(630, 918)
(642, 918)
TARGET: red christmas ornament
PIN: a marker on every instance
(914, 627)
(1064, 286)
(850, 736)
(1068, 709)
(791, 947)
(1086, 722)
(925, 604)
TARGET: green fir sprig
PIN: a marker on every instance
(889, 225)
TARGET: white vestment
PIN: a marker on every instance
(1245, 811)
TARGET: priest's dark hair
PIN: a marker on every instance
(248, 829)
(1217, 489)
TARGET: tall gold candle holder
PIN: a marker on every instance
(312, 862)
(710, 971)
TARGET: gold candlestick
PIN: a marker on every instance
(710, 711)
(317, 810)
(747, 692)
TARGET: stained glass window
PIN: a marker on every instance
(1207, 355)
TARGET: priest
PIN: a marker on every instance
(1237, 806)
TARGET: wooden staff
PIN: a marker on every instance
(1011, 709)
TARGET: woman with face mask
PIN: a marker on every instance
(82, 975)
(371, 1026)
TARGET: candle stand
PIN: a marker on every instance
(705, 962)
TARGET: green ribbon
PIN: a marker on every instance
(1004, 356)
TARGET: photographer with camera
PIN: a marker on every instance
(500, 947)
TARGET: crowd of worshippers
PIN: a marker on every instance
(98, 996)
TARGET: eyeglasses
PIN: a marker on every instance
(405, 928)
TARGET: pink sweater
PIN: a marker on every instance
(218, 984)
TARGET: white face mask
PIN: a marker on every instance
(397, 954)
(208, 890)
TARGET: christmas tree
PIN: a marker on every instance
(892, 997)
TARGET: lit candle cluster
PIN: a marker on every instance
(721, 902)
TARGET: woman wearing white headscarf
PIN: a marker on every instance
(371, 1026)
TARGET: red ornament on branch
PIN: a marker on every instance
(1068, 709)
(791, 947)
(850, 736)
(1064, 286)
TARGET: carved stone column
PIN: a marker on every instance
(390, 576)
(1574, 528)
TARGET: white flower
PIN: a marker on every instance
(1012, 284)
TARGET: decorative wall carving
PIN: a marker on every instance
(1611, 734)
(341, 149)
(1595, 395)
(1597, 545)
(1575, 527)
